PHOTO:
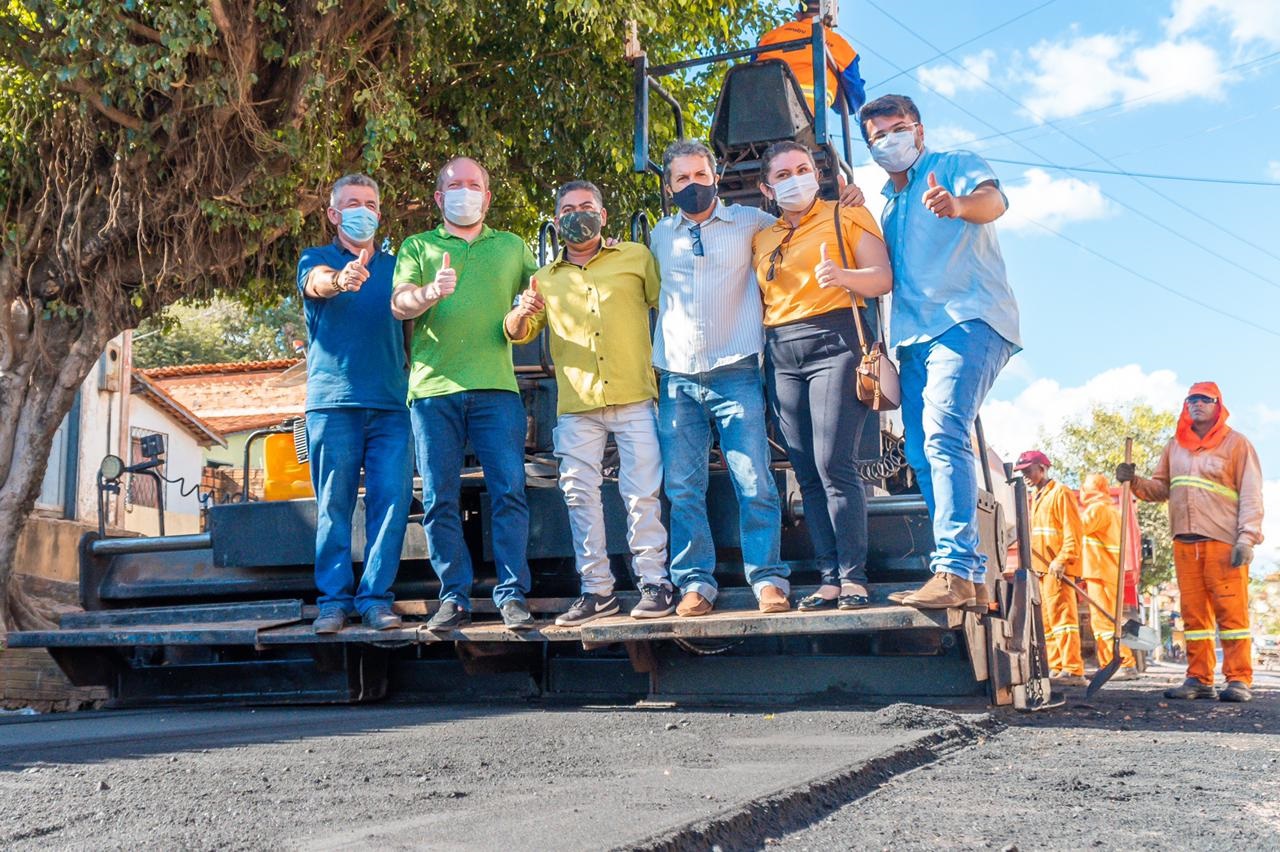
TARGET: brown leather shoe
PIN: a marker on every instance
(693, 604)
(943, 591)
(772, 599)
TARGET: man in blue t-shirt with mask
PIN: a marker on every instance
(357, 415)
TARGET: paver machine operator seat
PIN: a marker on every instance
(762, 103)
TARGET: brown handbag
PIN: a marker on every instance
(878, 387)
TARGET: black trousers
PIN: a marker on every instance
(810, 372)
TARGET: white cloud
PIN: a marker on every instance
(1249, 20)
(946, 137)
(1088, 72)
(947, 79)
(1273, 169)
(1044, 405)
(1051, 201)
(871, 178)
(1266, 557)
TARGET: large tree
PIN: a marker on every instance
(159, 150)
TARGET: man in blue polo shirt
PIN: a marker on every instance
(954, 323)
(357, 415)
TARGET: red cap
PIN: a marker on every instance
(1031, 457)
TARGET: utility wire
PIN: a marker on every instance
(1126, 173)
(979, 36)
(1184, 237)
(1082, 247)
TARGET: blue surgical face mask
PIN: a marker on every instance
(359, 224)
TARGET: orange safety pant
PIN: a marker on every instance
(1061, 625)
(1104, 632)
(1215, 600)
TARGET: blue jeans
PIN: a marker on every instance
(493, 421)
(341, 441)
(944, 382)
(733, 398)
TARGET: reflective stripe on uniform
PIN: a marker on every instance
(1199, 635)
(1105, 635)
(1066, 628)
(1045, 531)
(1206, 484)
(1228, 635)
(1097, 542)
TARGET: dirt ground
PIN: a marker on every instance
(1127, 770)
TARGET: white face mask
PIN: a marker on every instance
(463, 206)
(896, 152)
(797, 192)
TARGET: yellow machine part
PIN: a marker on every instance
(285, 478)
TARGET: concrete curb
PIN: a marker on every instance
(751, 823)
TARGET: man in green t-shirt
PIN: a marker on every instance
(457, 283)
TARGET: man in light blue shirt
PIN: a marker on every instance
(954, 323)
(707, 348)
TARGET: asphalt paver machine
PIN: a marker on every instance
(224, 615)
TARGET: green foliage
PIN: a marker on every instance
(1095, 444)
(218, 332)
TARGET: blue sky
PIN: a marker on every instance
(1174, 87)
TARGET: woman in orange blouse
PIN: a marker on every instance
(811, 355)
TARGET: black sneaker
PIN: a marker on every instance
(655, 602)
(381, 618)
(815, 602)
(588, 608)
(331, 620)
(1236, 691)
(516, 615)
(1191, 689)
(448, 617)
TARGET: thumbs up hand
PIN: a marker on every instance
(352, 276)
(445, 282)
(530, 302)
(827, 273)
(939, 201)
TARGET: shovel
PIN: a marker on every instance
(1126, 496)
(1134, 635)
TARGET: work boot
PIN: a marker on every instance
(380, 617)
(981, 597)
(331, 620)
(943, 591)
(1125, 673)
(1191, 689)
(773, 599)
(1068, 679)
(589, 607)
(448, 617)
(516, 615)
(656, 601)
(1236, 691)
(692, 605)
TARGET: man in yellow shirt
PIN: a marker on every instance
(595, 300)
(1055, 553)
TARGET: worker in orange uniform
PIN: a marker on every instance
(1211, 477)
(1100, 566)
(1055, 553)
(839, 53)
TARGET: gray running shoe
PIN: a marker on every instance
(589, 607)
(655, 602)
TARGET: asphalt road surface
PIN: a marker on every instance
(1128, 770)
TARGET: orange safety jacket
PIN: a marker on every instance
(1055, 529)
(1213, 484)
(842, 54)
(1100, 527)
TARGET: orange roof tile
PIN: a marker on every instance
(216, 369)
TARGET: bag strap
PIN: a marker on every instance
(844, 262)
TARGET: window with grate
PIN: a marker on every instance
(142, 486)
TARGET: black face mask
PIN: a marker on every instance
(696, 197)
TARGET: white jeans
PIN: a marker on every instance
(579, 442)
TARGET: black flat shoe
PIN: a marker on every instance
(815, 602)
(853, 602)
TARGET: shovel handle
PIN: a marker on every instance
(1126, 498)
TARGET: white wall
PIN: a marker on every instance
(183, 457)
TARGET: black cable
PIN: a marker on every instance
(183, 491)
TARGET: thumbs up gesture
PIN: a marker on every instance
(445, 282)
(826, 272)
(352, 276)
(937, 199)
(530, 302)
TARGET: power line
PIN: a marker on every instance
(1124, 173)
(1142, 276)
(979, 36)
(1184, 237)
